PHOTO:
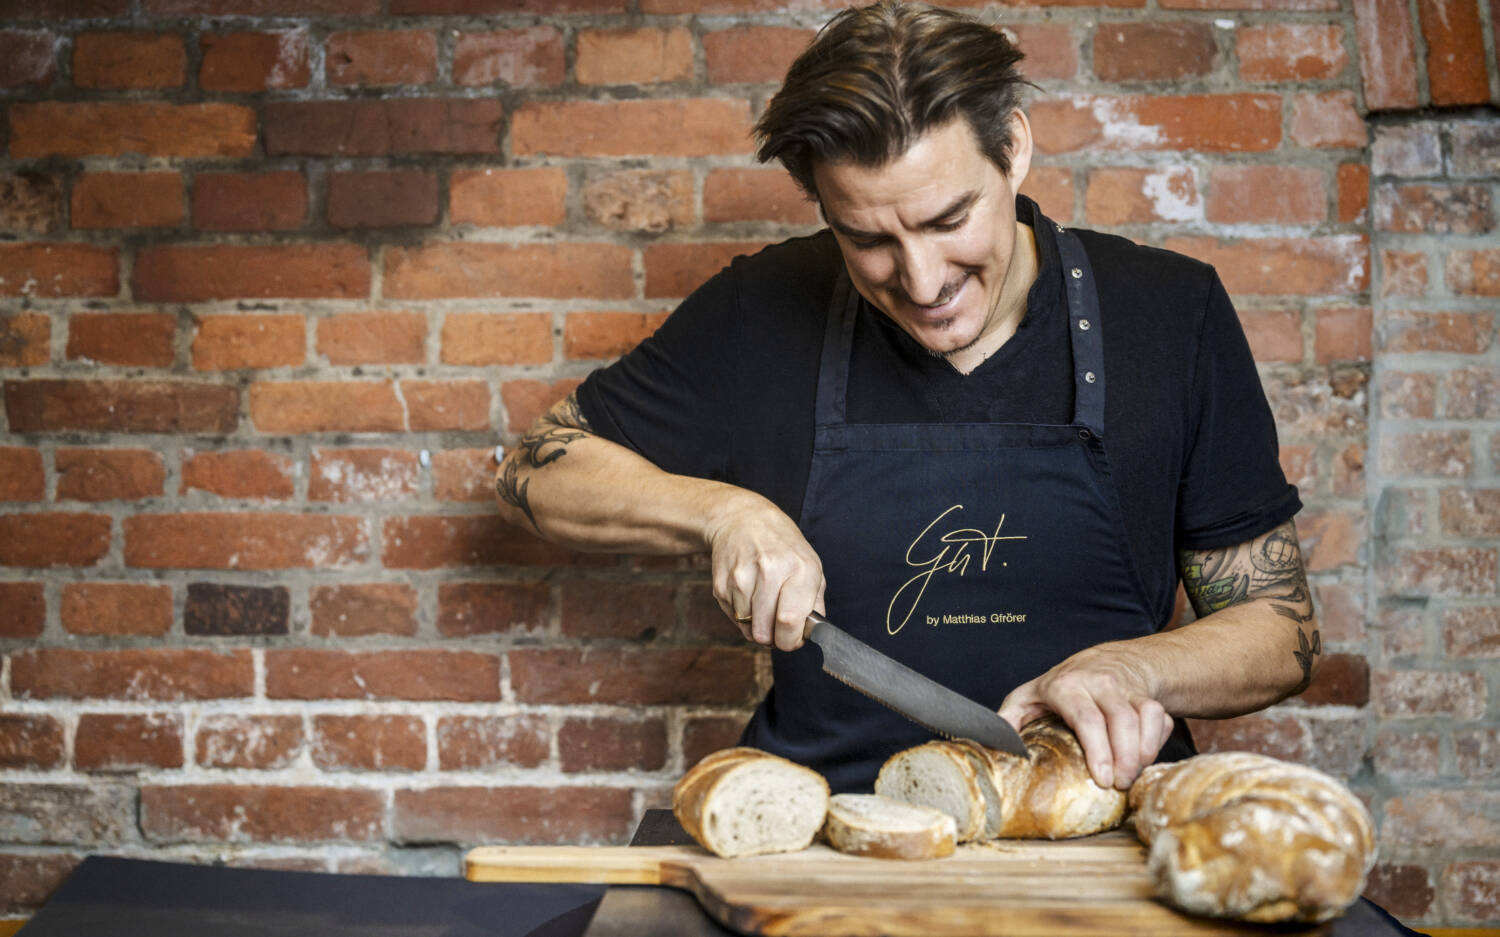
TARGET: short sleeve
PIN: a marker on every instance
(1232, 486)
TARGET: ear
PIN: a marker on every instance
(1020, 150)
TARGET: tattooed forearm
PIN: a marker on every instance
(1266, 568)
(543, 444)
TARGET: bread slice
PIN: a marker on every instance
(871, 825)
(940, 775)
(747, 802)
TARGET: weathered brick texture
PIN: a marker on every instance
(277, 277)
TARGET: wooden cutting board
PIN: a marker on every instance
(1095, 886)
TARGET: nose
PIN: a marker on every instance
(921, 272)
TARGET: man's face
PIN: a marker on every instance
(929, 237)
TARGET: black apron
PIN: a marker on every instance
(980, 554)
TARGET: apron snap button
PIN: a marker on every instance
(1085, 435)
(1077, 273)
(1089, 376)
(1083, 325)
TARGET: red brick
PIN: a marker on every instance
(1444, 454)
(108, 474)
(1387, 46)
(1473, 394)
(1051, 49)
(592, 335)
(1403, 890)
(501, 198)
(1349, 472)
(1402, 631)
(63, 9)
(702, 735)
(465, 540)
(252, 62)
(1154, 51)
(214, 813)
(255, 742)
(1455, 332)
(1312, 405)
(363, 475)
(1207, 122)
(1314, 265)
(1327, 119)
(526, 400)
(25, 339)
(249, 201)
(734, 6)
(141, 674)
(1330, 539)
(459, 270)
(732, 195)
(116, 608)
(50, 271)
(640, 200)
(674, 270)
(1471, 889)
(202, 272)
(1342, 333)
(633, 56)
(382, 127)
(261, 7)
(1408, 395)
(1279, 734)
(30, 202)
(382, 199)
(1290, 51)
(127, 742)
(704, 622)
(53, 539)
(1274, 334)
(752, 54)
(373, 338)
(1438, 571)
(520, 815)
(1433, 209)
(1477, 751)
(190, 540)
(131, 60)
(721, 127)
(1451, 819)
(30, 741)
(1472, 632)
(1266, 194)
(1455, 52)
(358, 609)
(1473, 272)
(512, 608)
(1470, 512)
(460, 676)
(447, 405)
(602, 609)
(369, 743)
(115, 128)
(1340, 612)
(521, 58)
(376, 58)
(21, 475)
(123, 338)
(23, 609)
(1475, 148)
(481, 338)
(470, 743)
(68, 814)
(606, 744)
(1140, 196)
(27, 57)
(1406, 756)
(654, 677)
(245, 473)
(1299, 464)
(1353, 192)
(231, 342)
(1404, 273)
(464, 474)
(1342, 680)
(325, 407)
(217, 609)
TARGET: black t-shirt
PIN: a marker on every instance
(725, 388)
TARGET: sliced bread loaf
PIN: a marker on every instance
(746, 802)
(939, 775)
(871, 825)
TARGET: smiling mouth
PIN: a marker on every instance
(950, 291)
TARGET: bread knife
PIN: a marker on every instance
(896, 686)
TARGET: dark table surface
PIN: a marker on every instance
(112, 897)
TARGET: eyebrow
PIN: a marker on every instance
(957, 206)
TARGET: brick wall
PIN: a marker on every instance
(277, 276)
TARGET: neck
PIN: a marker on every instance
(1010, 305)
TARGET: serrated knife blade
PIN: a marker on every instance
(913, 695)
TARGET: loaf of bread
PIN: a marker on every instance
(1240, 835)
(990, 793)
(871, 825)
(746, 802)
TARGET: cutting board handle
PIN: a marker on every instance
(606, 865)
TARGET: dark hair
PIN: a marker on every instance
(878, 77)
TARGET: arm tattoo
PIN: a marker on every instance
(1268, 567)
(543, 444)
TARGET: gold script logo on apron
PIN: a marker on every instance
(936, 550)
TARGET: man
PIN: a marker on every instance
(902, 421)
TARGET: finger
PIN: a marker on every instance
(1124, 726)
(1022, 705)
(799, 594)
(1087, 721)
(1154, 720)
